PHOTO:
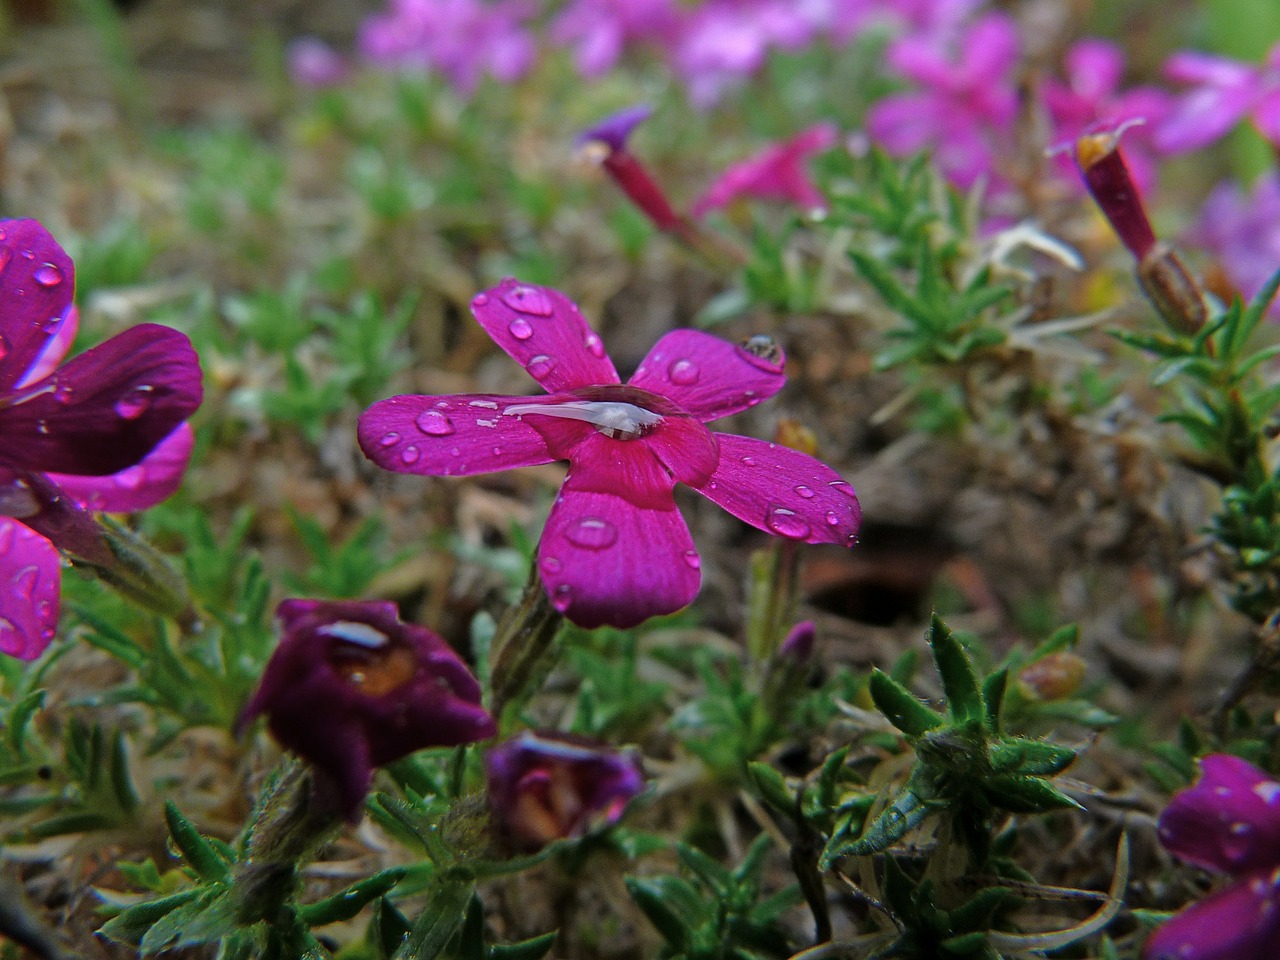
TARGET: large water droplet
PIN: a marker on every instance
(410, 455)
(592, 533)
(562, 597)
(843, 487)
(785, 522)
(135, 403)
(804, 492)
(48, 275)
(683, 372)
(389, 439)
(520, 329)
(692, 560)
(541, 366)
(530, 300)
(434, 423)
(595, 345)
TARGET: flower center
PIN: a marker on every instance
(366, 659)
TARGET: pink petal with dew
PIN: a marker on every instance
(783, 492)
(106, 409)
(143, 485)
(615, 549)
(30, 574)
(450, 436)
(55, 350)
(1241, 922)
(1230, 819)
(544, 332)
(1199, 118)
(709, 377)
(37, 281)
(1094, 68)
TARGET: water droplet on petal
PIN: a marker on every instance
(130, 479)
(479, 300)
(692, 560)
(520, 329)
(410, 454)
(48, 275)
(786, 522)
(562, 597)
(843, 487)
(24, 582)
(592, 533)
(683, 372)
(62, 393)
(134, 403)
(763, 353)
(532, 300)
(541, 366)
(804, 492)
(434, 423)
(833, 518)
(550, 565)
(748, 461)
(389, 439)
(595, 345)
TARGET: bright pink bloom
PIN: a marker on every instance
(1243, 231)
(776, 173)
(1223, 92)
(600, 30)
(105, 427)
(1228, 822)
(966, 105)
(461, 39)
(316, 65)
(1091, 99)
(615, 549)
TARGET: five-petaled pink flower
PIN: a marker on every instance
(615, 549)
(1228, 822)
(104, 430)
(775, 173)
(1222, 93)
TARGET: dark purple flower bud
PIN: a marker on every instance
(1107, 177)
(612, 132)
(543, 787)
(798, 645)
(606, 143)
(351, 687)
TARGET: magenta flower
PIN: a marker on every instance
(1228, 822)
(351, 687)
(1243, 231)
(600, 30)
(315, 65)
(543, 787)
(966, 103)
(1223, 92)
(461, 39)
(776, 173)
(104, 428)
(615, 549)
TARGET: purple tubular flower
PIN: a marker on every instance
(1110, 184)
(1230, 822)
(1223, 92)
(543, 787)
(105, 428)
(776, 173)
(615, 549)
(609, 139)
(351, 687)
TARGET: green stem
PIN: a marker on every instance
(524, 648)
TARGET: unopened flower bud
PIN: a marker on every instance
(1172, 290)
(798, 644)
(606, 144)
(1052, 677)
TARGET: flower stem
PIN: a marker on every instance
(524, 648)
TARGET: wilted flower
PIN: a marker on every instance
(615, 549)
(351, 687)
(1228, 822)
(103, 429)
(1242, 229)
(543, 787)
(776, 173)
(1223, 92)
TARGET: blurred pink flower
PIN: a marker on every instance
(1242, 229)
(315, 65)
(775, 173)
(615, 549)
(600, 30)
(965, 104)
(1223, 92)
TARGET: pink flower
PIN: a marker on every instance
(600, 30)
(461, 39)
(1243, 231)
(105, 429)
(1223, 92)
(1228, 822)
(1091, 99)
(615, 549)
(776, 173)
(966, 104)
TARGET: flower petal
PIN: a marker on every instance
(1230, 819)
(143, 485)
(783, 492)
(106, 409)
(55, 349)
(37, 281)
(615, 549)
(1241, 922)
(30, 572)
(709, 377)
(544, 332)
(451, 436)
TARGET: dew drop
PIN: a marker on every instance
(833, 518)
(24, 582)
(562, 597)
(785, 522)
(479, 300)
(62, 393)
(531, 300)
(844, 488)
(692, 560)
(520, 329)
(748, 461)
(434, 423)
(595, 345)
(134, 403)
(804, 492)
(541, 366)
(42, 427)
(683, 372)
(592, 533)
(551, 565)
(389, 439)
(48, 275)
(410, 455)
